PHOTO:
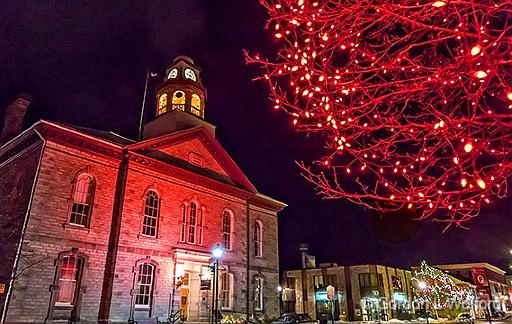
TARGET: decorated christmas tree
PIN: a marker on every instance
(435, 289)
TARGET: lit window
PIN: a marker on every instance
(69, 277)
(226, 290)
(83, 193)
(189, 74)
(178, 100)
(257, 239)
(144, 285)
(151, 208)
(226, 230)
(195, 104)
(162, 104)
(258, 293)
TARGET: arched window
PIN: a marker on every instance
(226, 229)
(82, 199)
(258, 239)
(226, 290)
(69, 277)
(162, 104)
(195, 104)
(144, 285)
(178, 100)
(151, 211)
(192, 224)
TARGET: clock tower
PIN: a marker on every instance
(180, 100)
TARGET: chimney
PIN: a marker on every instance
(13, 117)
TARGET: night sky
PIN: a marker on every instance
(85, 62)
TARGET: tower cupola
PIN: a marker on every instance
(180, 100)
(182, 89)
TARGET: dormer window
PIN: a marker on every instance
(189, 74)
(178, 100)
(173, 74)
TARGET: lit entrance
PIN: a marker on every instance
(192, 296)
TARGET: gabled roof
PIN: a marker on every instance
(111, 144)
(151, 146)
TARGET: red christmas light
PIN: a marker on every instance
(413, 99)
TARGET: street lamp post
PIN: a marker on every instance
(280, 290)
(217, 253)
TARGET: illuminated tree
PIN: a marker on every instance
(412, 98)
(437, 289)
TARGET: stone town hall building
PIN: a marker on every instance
(96, 226)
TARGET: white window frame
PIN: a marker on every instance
(258, 239)
(183, 227)
(74, 281)
(82, 200)
(227, 234)
(226, 290)
(138, 285)
(258, 297)
(151, 213)
(192, 226)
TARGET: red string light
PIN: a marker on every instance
(413, 99)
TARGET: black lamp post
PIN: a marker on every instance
(217, 252)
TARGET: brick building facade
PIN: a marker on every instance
(101, 228)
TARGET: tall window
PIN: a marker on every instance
(69, 279)
(82, 199)
(192, 220)
(257, 238)
(192, 224)
(195, 104)
(226, 230)
(151, 210)
(258, 293)
(226, 290)
(144, 288)
(162, 104)
(183, 224)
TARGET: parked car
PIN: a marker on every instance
(464, 318)
(294, 318)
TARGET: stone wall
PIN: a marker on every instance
(49, 233)
(16, 182)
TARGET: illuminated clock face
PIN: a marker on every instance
(173, 74)
(189, 74)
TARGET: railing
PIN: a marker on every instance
(172, 318)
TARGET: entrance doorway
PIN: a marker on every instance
(184, 297)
